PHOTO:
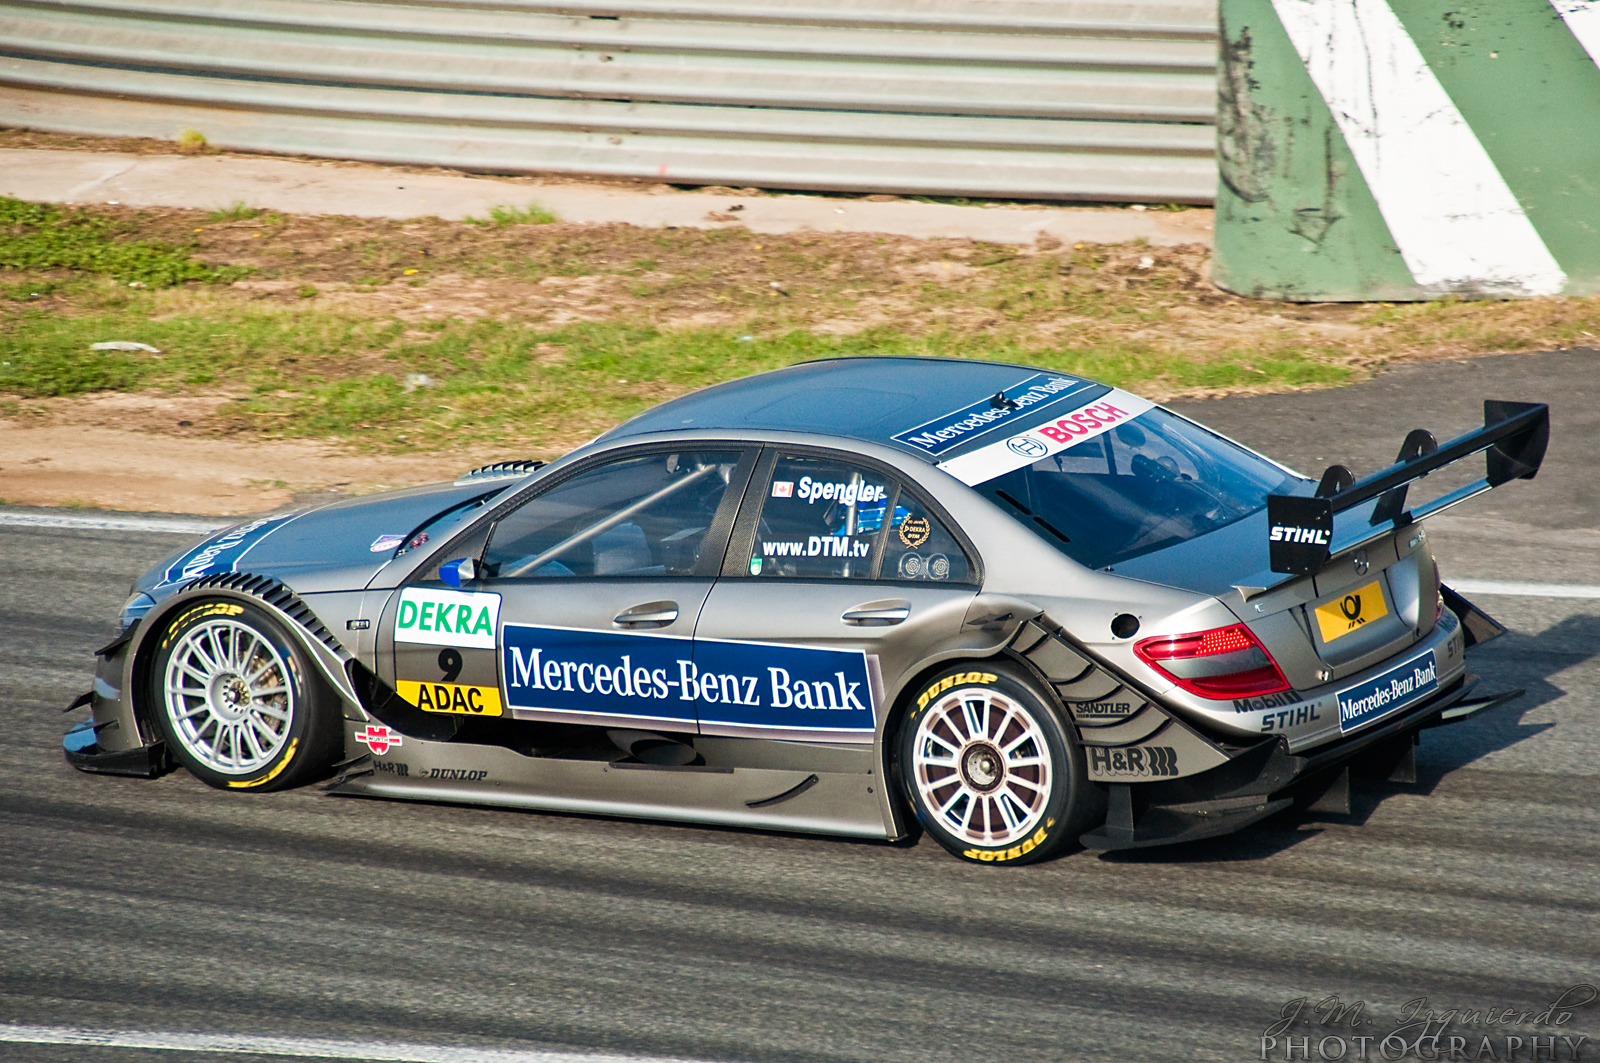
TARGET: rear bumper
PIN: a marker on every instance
(1267, 778)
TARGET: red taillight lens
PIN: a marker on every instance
(1225, 662)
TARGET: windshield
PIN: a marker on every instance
(1151, 482)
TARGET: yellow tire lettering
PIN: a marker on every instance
(277, 770)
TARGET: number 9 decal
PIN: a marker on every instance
(450, 664)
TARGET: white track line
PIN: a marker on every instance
(298, 1047)
(130, 524)
(1523, 590)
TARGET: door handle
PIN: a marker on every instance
(878, 613)
(648, 613)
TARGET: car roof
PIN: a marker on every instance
(933, 407)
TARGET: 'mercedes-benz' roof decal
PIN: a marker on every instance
(1007, 455)
(958, 426)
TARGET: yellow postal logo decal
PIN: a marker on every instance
(1342, 616)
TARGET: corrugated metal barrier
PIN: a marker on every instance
(1055, 99)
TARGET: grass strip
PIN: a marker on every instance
(40, 236)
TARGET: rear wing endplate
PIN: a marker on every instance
(1515, 435)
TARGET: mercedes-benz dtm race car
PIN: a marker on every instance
(1022, 609)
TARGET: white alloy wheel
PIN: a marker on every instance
(229, 697)
(982, 766)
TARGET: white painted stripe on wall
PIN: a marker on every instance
(297, 1047)
(131, 524)
(1523, 590)
(1583, 19)
(1457, 224)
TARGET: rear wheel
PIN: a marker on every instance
(991, 771)
(237, 700)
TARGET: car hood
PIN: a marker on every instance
(340, 546)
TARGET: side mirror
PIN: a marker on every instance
(461, 570)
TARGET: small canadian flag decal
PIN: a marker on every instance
(379, 739)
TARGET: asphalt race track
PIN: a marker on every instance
(134, 906)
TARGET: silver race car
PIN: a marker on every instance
(1023, 610)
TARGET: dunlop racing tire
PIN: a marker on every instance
(238, 701)
(990, 769)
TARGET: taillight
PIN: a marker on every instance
(1225, 662)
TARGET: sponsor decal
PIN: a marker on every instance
(455, 774)
(451, 697)
(1266, 701)
(1389, 692)
(915, 566)
(914, 531)
(1292, 717)
(1103, 710)
(957, 426)
(814, 491)
(816, 546)
(277, 769)
(959, 679)
(447, 618)
(1140, 761)
(209, 609)
(783, 489)
(379, 739)
(392, 767)
(1298, 533)
(664, 677)
(222, 552)
(1338, 618)
(755, 566)
(1087, 422)
(385, 543)
(1028, 845)
(1286, 533)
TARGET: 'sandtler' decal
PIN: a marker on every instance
(661, 677)
(222, 552)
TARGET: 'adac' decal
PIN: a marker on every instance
(457, 698)
(447, 618)
(662, 677)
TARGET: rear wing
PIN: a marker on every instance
(1515, 435)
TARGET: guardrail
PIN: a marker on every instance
(1053, 99)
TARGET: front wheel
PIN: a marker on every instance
(991, 771)
(236, 699)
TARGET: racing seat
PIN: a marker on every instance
(624, 551)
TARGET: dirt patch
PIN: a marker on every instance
(75, 464)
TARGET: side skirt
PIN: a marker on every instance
(762, 798)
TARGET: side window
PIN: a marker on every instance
(919, 547)
(820, 519)
(644, 516)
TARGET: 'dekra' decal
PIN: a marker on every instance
(662, 677)
(447, 618)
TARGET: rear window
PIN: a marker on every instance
(1150, 483)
